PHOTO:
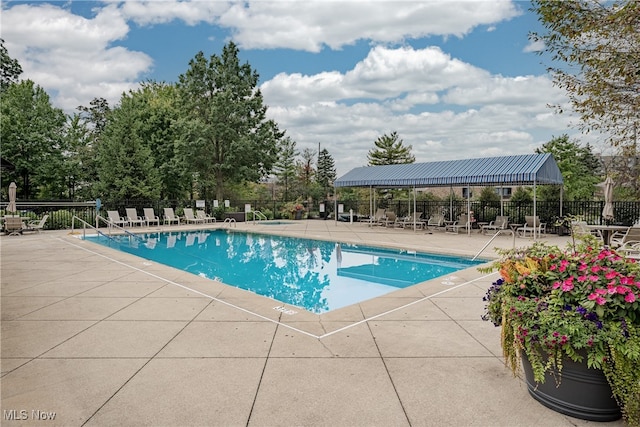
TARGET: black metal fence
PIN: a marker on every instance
(62, 212)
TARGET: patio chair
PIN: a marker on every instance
(13, 225)
(170, 217)
(150, 217)
(414, 221)
(114, 218)
(581, 228)
(630, 249)
(36, 224)
(461, 222)
(435, 221)
(496, 226)
(375, 219)
(390, 220)
(620, 238)
(189, 217)
(532, 226)
(133, 218)
(200, 214)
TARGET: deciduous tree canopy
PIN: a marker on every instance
(597, 48)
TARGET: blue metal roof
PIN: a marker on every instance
(507, 170)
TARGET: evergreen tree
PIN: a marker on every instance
(285, 167)
(326, 170)
(126, 167)
(226, 136)
(390, 151)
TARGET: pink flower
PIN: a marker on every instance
(567, 285)
(627, 280)
(622, 290)
(630, 297)
(611, 275)
(600, 301)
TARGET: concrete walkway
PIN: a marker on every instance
(95, 337)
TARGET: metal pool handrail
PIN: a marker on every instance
(85, 224)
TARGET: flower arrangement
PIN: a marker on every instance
(554, 304)
(293, 210)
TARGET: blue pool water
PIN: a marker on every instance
(316, 275)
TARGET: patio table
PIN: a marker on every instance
(607, 231)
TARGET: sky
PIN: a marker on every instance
(454, 79)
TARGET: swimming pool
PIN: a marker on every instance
(316, 275)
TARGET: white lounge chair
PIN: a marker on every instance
(133, 218)
(200, 214)
(390, 220)
(435, 222)
(461, 222)
(114, 218)
(414, 221)
(150, 217)
(36, 224)
(532, 226)
(170, 217)
(496, 226)
(189, 217)
(375, 220)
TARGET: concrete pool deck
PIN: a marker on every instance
(92, 336)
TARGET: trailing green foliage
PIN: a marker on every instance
(554, 304)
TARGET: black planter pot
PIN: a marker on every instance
(583, 393)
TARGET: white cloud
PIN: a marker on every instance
(73, 56)
(311, 25)
(444, 107)
(534, 46)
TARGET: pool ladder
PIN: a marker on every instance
(99, 218)
(259, 215)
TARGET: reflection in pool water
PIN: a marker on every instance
(316, 275)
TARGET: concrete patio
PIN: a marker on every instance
(96, 337)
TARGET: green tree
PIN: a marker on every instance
(521, 197)
(10, 68)
(597, 47)
(489, 196)
(126, 167)
(159, 118)
(285, 166)
(579, 167)
(226, 136)
(31, 132)
(326, 171)
(307, 173)
(84, 134)
(390, 151)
